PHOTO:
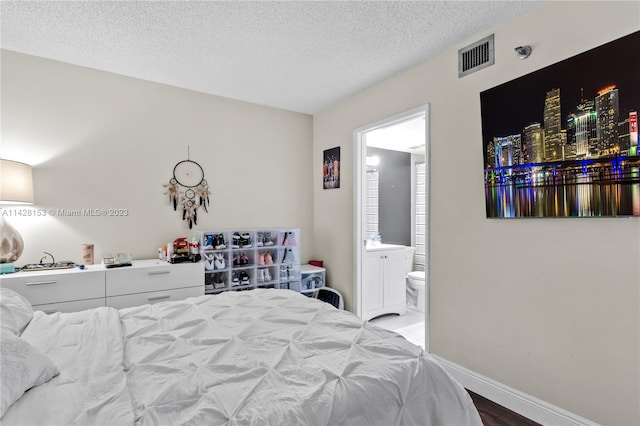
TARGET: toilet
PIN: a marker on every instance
(415, 290)
(415, 283)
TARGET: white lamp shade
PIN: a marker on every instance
(16, 183)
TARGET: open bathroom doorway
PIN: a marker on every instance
(392, 212)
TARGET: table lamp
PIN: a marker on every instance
(16, 187)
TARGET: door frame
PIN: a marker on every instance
(360, 154)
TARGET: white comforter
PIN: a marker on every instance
(260, 357)
(87, 348)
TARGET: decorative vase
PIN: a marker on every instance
(11, 243)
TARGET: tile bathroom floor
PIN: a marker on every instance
(410, 325)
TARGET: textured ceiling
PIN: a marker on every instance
(299, 56)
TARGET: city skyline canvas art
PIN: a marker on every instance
(331, 168)
(563, 141)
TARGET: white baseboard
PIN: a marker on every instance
(519, 402)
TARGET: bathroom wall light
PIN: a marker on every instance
(373, 160)
(16, 187)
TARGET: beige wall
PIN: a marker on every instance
(547, 306)
(100, 140)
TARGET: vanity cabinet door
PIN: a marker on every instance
(395, 288)
(373, 285)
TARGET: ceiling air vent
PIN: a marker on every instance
(475, 56)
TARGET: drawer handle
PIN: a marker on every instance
(159, 272)
(52, 311)
(42, 282)
(151, 299)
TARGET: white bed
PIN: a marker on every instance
(259, 357)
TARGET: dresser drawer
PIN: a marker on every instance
(152, 297)
(77, 305)
(144, 277)
(42, 289)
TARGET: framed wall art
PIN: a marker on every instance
(331, 168)
(563, 140)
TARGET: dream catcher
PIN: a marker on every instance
(188, 190)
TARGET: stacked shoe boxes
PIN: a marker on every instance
(242, 259)
(311, 279)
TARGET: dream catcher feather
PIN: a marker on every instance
(188, 190)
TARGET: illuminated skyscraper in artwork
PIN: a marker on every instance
(552, 126)
(607, 111)
(633, 133)
(581, 127)
(533, 144)
(507, 150)
(624, 136)
(490, 156)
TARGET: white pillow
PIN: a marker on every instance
(22, 367)
(15, 311)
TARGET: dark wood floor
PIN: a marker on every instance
(493, 414)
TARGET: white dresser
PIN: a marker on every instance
(145, 281)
